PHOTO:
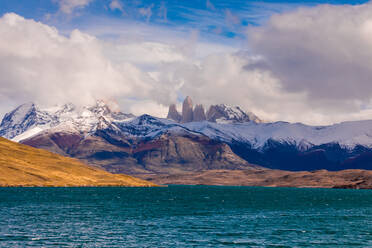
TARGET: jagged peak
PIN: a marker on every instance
(173, 113)
(215, 113)
(226, 113)
(29, 117)
(199, 113)
(19, 113)
(187, 110)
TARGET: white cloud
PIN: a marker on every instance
(116, 5)
(148, 106)
(39, 64)
(68, 6)
(324, 52)
(156, 53)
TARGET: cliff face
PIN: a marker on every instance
(199, 113)
(173, 113)
(187, 110)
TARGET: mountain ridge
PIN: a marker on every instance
(133, 142)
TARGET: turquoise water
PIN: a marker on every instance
(185, 216)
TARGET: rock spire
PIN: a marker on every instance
(187, 110)
(173, 113)
(199, 113)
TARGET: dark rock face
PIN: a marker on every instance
(215, 113)
(187, 110)
(167, 153)
(173, 113)
(199, 113)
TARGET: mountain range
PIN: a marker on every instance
(223, 137)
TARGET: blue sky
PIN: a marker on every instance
(212, 18)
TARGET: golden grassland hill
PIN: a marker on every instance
(22, 165)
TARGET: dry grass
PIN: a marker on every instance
(22, 165)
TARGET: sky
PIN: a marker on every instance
(296, 61)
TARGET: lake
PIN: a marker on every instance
(185, 216)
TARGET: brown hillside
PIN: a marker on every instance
(22, 165)
(354, 179)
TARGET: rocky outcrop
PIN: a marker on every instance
(187, 110)
(173, 113)
(199, 113)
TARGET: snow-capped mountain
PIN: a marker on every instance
(97, 134)
(222, 113)
(28, 119)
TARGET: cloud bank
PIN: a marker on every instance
(310, 65)
(324, 52)
(39, 64)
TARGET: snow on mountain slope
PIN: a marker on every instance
(29, 120)
(24, 118)
(348, 134)
(28, 134)
(226, 114)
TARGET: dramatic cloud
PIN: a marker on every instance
(311, 65)
(68, 6)
(221, 78)
(324, 52)
(39, 64)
